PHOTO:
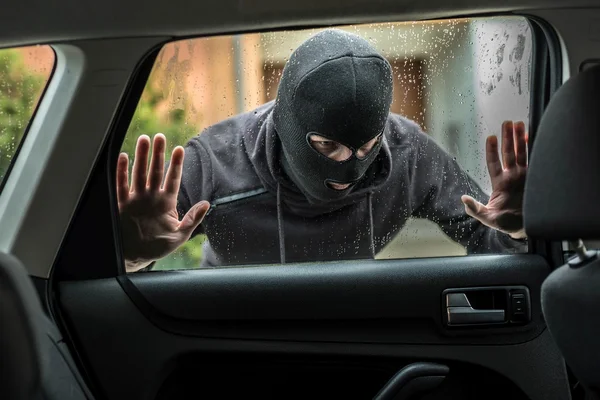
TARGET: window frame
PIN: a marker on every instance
(546, 58)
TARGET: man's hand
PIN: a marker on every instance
(504, 210)
(151, 226)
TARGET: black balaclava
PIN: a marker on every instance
(338, 86)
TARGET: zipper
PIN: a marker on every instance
(234, 198)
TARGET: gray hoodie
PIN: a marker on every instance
(258, 215)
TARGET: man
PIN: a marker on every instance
(325, 172)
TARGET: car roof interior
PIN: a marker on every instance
(39, 22)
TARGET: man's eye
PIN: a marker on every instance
(369, 146)
(326, 145)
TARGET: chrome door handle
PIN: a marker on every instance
(460, 312)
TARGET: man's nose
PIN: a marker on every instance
(344, 154)
(360, 153)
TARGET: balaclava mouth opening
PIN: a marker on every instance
(335, 85)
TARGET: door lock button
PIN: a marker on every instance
(520, 309)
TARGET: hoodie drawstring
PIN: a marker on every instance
(371, 233)
(280, 226)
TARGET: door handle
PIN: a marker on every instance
(460, 312)
(414, 379)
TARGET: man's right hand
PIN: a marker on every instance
(149, 218)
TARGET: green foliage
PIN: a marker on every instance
(147, 121)
(20, 89)
(187, 256)
(174, 126)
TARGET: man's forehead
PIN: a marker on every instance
(342, 125)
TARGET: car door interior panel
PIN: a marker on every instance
(395, 301)
(256, 331)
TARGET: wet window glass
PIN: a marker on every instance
(24, 73)
(380, 141)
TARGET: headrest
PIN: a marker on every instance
(570, 299)
(20, 337)
(562, 189)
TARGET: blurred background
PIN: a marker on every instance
(24, 73)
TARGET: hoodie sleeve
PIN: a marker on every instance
(196, 179)
(438, 182)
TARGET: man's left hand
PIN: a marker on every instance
(504, 210)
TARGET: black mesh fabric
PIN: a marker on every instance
(337, 86)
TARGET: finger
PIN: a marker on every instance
(475, 209)
(492, 158)
(521, 144)
(193, 218)
(122, 178)
(173, 178)
(157, 163)
(508, 146)
(140, 164)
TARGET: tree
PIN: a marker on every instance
(20, 89)
(147, 120)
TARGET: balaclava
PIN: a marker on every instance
(335, 85)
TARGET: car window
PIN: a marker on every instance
(433, 91)
(24, 73)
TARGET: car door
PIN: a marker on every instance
(337, 329)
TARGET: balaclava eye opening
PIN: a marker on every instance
(338, 86)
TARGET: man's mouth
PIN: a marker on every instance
(339, 186)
